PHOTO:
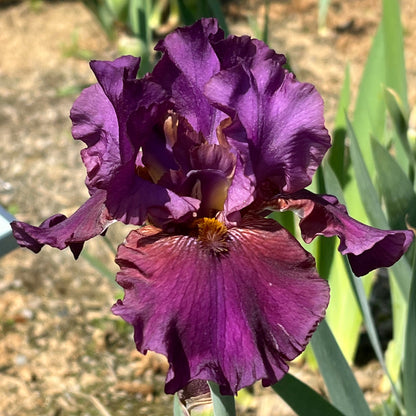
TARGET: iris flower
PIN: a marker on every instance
(197, 154)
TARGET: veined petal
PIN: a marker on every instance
(367, 248)
(89, 220)
(232, 313)
(235, 50)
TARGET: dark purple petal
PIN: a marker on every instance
(212, 156)
(282, 118)
(89, 220)
(95, 122)
(188, 63)
(251, 53)
(157, 157)
(212, 170)
(128, 95)
(367, 248)
(232, 311)
(243, 187)
(131, 198)
(112, 74)
(241, 191)
(100, 117)
(113, 77)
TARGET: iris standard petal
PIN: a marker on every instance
(186, 66)
(232, 311)
(235, 50)
(367, 248)
(89, 220)
(281, 118)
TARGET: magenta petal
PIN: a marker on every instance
(89, 220)
(367, 248)
(233, 318)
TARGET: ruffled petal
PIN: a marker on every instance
(367, 248)
(188, 63)
(58, 231)
(232, 313)
(112, 74)
(235, 50)
(281, 118)
(128, 95)
(100, 116)
(94, 121)
(118, 80)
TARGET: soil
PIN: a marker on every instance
(62, 352)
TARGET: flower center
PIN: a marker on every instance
(212, 234)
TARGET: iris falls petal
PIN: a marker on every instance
(367, 247)
(90, 220)
(233, 315)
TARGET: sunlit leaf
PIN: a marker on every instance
(337, 153)
(177, 407)
(369, 113)
(360, 287)
(322, 13)
(396, 188)
(400, 120)
(409, 362)
(223, 405)
(394, 49)
(342, 386)
(302, 399)
(367, 191)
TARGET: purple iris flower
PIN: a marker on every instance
(197, 153)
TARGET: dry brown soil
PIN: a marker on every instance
(62, 352)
